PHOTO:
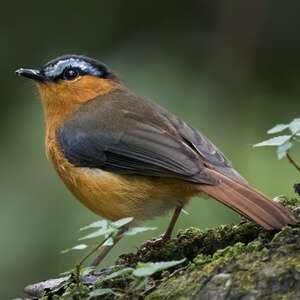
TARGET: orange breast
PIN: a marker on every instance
(115, 196)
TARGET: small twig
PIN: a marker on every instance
(116, 238)
(292, 161)
(296, 140)
(138, 282)
(178, 270)
(78, 266)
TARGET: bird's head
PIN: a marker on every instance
(68, 81)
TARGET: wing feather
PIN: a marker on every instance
(140, 138)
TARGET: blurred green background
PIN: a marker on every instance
(229, 68)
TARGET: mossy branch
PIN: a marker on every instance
(228, 262)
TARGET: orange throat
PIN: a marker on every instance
(61, 99)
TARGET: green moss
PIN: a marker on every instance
(72, 290)
(247, 274)
(241, 261)
(201, 259)
(269, 263)
(288, 296)
(245, 280)
(56, 297)
(165, 274)
(192, 241)
(292, 203)
(230, 251)
(287, 235)
(122, 281)
(254, 246)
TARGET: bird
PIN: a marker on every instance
(125, 156)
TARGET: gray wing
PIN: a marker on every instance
(137, 137)
(206, 149)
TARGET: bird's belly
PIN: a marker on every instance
(114, 196)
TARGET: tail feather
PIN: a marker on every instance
(249, 202)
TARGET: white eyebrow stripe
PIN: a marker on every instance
(57, 69)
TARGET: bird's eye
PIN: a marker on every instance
(70, 74)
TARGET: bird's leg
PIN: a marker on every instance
(106, 250)
(169, 231)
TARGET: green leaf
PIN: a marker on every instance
(82, 271)
(136, 230)
(185, 212)
(295, 126)
(86, 270)
(109, 242)
(142, 284)
(102, 231)
(116, 274)
(100, 292)
(147, 269)
(276, 141)
(282, 150)
(122, 222)
(72, 271)
(278, 128)
(77, 247)
(101, 223)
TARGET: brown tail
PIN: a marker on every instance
(249, 202)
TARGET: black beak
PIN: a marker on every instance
(29, 73)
